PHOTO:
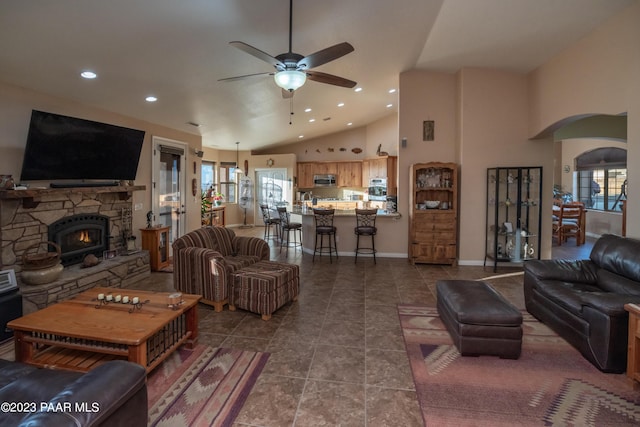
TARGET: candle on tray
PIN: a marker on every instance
(118, 298)
(135, 300)
(100, 297)
(109, 297)
(125, 299)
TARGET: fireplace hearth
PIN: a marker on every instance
(80, 235)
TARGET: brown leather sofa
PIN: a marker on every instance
(114, 394)
(583, 300)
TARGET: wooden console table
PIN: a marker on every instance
(633, 355)
(216, 215)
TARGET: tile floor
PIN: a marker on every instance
(337, 354)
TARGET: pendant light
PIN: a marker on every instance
(238, 170)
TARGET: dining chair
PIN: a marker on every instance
(571, 222)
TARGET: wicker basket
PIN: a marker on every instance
(40, 260)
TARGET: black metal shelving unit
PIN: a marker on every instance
(513, 214)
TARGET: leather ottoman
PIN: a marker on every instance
(264, 287)
(479, 319)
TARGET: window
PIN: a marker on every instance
(602, 189)
(208, 176)
(228, 183)
(602, 178)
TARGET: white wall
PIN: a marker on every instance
(597, 75)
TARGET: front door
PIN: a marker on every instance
(272, 188)
(169, 186)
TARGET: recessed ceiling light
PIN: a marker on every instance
(307, 110)
(300, 136)
(341, 104)
(88, 74)
(350, 123)
(392, 91)
(312, 120)
(389, 105)
(358, 89)
(151, 98)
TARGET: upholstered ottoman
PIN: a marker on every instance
(264, 287)
(479, 319)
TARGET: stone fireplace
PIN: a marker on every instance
(80, 220)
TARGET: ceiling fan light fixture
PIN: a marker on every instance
(290, 79)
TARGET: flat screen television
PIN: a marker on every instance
(68, 148)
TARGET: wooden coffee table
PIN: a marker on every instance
(75, 335)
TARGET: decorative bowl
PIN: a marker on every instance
(432, 204)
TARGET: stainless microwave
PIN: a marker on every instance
(324, 180)
(378, 189)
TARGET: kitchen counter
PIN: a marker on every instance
(343, 212)
(388, 225)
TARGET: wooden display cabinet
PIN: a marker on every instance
(433, 213)
(156, 241)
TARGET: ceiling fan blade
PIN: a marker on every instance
(287, 94)
(257, 53)
(330, 79)
(243, 77)
(325, 55)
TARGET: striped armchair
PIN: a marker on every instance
(204, 260)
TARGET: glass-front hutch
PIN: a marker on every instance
(513, 214)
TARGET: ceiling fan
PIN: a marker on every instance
(293, 69)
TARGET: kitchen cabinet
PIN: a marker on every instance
(382, 167)
(349, 174)
(513, 217)
(433, 213)
(325, 168)
(156, 241)
(305, 175)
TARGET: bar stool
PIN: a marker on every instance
(268, 222)
(324, 227)
(288, 227)
(366, 226)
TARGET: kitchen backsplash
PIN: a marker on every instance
(337, 193)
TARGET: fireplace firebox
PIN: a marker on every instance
(80, 235)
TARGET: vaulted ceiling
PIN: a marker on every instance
(178, 50)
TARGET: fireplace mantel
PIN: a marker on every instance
(31, 197)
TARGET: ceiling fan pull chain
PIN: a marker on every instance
(290, 111)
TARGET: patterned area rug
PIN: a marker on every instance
(202, 387)
(551, 384)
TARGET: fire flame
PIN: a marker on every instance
(84, 237)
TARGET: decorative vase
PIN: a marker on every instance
(218, 202)
(42, 275)
(6, 182)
